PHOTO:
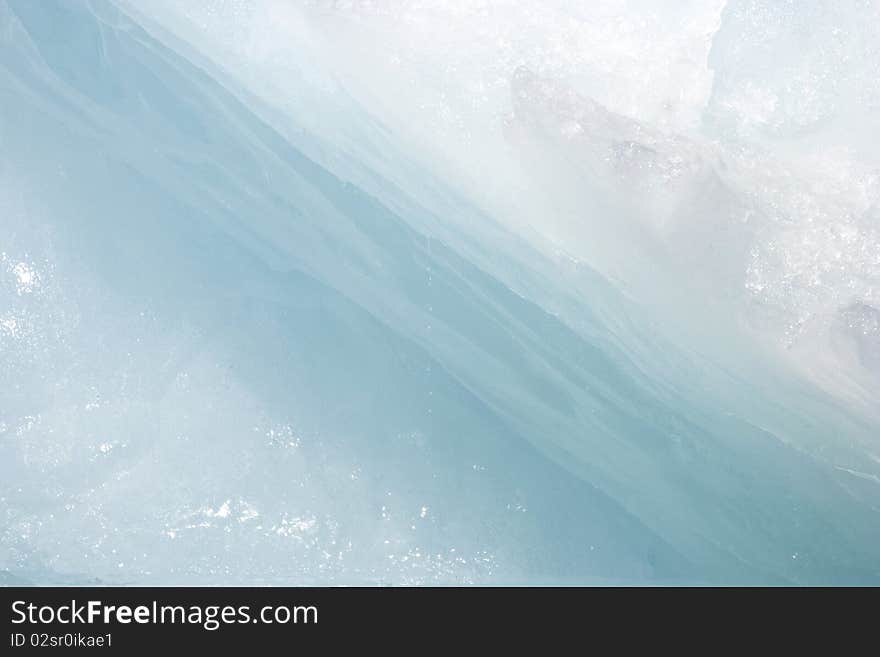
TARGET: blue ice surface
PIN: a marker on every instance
(241, 366)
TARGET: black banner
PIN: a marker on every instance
(128, 619)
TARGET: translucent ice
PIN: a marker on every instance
(436, 292)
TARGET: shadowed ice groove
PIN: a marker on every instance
(227, 363)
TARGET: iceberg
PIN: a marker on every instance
(263, 320)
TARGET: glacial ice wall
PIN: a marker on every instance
(439, 292)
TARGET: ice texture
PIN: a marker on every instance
(439, 292)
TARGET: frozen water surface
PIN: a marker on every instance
(439, 292)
